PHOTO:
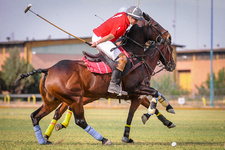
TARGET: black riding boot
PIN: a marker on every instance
(114, 86)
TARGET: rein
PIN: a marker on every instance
(146, 47)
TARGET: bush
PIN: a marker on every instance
(218, 83)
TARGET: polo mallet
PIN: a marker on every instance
(28, 9)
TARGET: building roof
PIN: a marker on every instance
(201, 51)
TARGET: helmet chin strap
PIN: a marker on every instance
(130, 19)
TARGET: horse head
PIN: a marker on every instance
(162, 36)
(163, 53)
(166, 56)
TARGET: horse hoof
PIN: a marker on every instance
(58, 127)
(106, 142)
(46, 137)
(49, 143)
(127, 140)
(145, 118)
(171, 111)
(171, 126)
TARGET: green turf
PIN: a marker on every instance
(196, 129)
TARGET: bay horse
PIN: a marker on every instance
(63, 107)
(145, 101)
(69, 81)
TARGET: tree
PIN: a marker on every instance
(218, 83)
(11, 70)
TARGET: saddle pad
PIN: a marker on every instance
(101, 67)
(97, 67)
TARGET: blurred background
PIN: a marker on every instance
(27, 42)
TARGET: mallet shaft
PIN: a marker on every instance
(28, 8)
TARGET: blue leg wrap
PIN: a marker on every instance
(93, 133)
(39, 136)
(159, 94)
(150, 113)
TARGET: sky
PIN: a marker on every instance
(188, 21)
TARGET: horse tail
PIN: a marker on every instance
(25, 75)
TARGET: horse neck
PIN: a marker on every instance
(152, 62)
(135, 34)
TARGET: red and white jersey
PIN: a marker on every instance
(115, 25)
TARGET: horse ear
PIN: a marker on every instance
(146, 16)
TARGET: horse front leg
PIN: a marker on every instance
(135, 103)
(146, 103)
(78, 110)
(142, 89)
(165, 103)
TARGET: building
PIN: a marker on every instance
(45, 53)
(192, 68)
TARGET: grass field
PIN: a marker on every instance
(196, 129)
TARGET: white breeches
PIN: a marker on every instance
(105, 47)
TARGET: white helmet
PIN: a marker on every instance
(135, 12)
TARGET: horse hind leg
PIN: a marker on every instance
(37, 115)
(78, 111)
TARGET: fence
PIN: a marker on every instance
(174, 100)
(7, 97)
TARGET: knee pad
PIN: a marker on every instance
(152, 106)
(120, 65)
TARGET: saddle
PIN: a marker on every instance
(101, 63)
(100, 57)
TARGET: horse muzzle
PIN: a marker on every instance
(170, 66)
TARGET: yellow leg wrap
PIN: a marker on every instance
(163, 101)
(51, 126)
(158, 114)
(128, 126)
(66, 121)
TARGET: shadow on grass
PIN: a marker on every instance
(60, 142)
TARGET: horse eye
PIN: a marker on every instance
(159, 39)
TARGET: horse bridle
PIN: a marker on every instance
(167, 62)
(159, 39)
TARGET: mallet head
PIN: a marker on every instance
(28, 7)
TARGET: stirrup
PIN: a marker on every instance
(118, 90)
(121, 91)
